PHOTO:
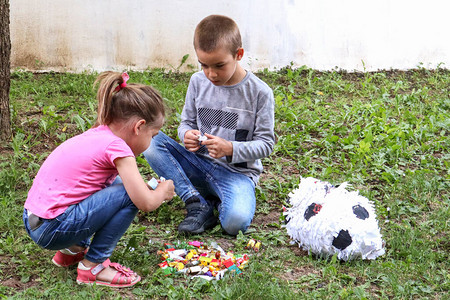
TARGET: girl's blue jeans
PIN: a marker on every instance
(195, 175)
(98, 222)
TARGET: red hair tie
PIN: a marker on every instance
(125, 78)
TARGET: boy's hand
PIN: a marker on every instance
(191, 140)
(217, 146)
(167, 189)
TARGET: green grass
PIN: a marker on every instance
(386, 133)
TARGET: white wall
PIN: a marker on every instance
(77, 35)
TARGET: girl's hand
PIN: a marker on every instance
(138, 190)
(217, 146)
(191, 140)
(166, 189)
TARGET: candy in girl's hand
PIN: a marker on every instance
(153, 183)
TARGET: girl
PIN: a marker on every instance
(75, 196)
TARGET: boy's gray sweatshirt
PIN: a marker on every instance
(241, 113)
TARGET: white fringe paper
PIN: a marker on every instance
(316, 235)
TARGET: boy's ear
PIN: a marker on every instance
(239, 53)
(138, 126)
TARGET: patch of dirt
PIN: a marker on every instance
(5, 150)
(15, 283)
(264, 219)
(296, 272)
(9, 277)
(297, 250)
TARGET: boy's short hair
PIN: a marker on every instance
(215, 31)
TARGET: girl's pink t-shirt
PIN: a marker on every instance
(76, 169)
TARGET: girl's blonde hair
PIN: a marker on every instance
(118, 101)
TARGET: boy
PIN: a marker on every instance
(227, 126)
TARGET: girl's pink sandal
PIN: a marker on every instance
(64, 260)
(123, 277)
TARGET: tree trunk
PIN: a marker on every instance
(5, 65)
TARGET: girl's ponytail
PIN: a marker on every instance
(119, 101)
(108, 81)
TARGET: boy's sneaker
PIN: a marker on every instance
(64, 260)
(199, 217)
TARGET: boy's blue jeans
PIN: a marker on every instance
(193, 174)
(105, 216)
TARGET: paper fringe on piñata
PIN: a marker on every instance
(327, 220)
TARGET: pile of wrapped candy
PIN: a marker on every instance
(197, 259)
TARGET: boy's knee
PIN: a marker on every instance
(152, 150)
(235, 223)
(157, 142)
(149, 153)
